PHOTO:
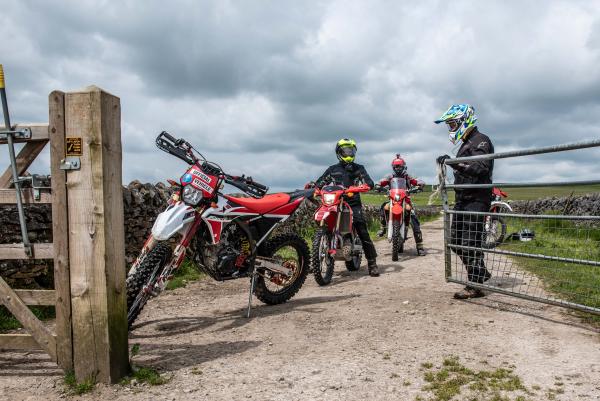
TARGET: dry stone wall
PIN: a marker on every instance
(142, 203)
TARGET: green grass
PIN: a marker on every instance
(187, 272)
(562, 238)
(75, 388)
(9, 322)
(453, 381)
(145, 375)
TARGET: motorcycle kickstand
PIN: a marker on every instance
(252, 283)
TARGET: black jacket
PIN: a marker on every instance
(478, 172)
(346, 174)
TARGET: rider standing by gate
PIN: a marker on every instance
(346, 173)
(467, 230)
(400, 170)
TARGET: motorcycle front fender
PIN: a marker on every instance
(498, 205)
(175, 219)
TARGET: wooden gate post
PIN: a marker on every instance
(96, 236)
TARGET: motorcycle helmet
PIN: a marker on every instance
(345, 150)
(459, 118)
(399, 166)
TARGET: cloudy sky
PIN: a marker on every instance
(267, 87)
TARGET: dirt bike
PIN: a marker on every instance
(226, 240)
(400, 209)
(335, 238)
(495, 226)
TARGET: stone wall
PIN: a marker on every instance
(580, 205)
(142, 203)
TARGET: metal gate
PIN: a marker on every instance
(548, 255)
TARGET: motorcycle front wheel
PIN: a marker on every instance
(494, 233)
(397, 240)
(292, 252)
(146, 275)
(322, 263)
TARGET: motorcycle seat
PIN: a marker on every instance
(262, 205)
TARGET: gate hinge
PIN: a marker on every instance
(70, 163)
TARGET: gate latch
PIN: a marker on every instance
(70, 163)
(23, 133)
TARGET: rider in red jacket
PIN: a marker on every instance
(399, 170)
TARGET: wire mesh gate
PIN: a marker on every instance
(551, 257)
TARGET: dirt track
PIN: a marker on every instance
(361, 338)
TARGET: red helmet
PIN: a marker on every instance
(399, 165)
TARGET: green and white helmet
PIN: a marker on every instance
(345, 150)
(459, 118)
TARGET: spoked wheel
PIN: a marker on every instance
(291, 251)
(145, 276)
(397, 240)
(354, 264)
(322, 263)
(494, 232)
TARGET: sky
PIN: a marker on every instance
(266, 88)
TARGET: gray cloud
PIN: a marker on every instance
(266, 88)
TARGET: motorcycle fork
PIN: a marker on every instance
(178, 256)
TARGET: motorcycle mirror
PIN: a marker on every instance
(173, 183)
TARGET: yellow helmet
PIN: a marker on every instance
(345, 150)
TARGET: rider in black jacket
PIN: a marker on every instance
(467, 230)
(348, 173)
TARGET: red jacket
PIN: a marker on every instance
(410, 181)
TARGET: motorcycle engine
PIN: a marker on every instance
(229, 258)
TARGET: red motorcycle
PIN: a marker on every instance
(335, 238)
(495, 226)
(400, 209)
(226, 236)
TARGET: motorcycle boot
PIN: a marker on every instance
(373, 268)
(382, 231)
(419, 241)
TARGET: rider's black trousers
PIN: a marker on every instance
(467, 230)
(360, 225)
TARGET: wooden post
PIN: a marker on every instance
(60, 230)
(96, 237)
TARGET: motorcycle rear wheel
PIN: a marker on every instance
(322, 263)
(146, 274)
(280, 247)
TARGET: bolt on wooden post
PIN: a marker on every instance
(96, 235)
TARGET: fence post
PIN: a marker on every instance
(60, 229)
(96, 236)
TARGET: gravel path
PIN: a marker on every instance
(360, 338)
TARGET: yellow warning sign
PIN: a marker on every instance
(74, 146)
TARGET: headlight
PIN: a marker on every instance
(191, 195)
(329, 199)
(397, 197)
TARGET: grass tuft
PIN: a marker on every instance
(76, 388)
(145, 375)
(453, 379)
(186, 273)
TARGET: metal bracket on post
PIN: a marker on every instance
(23, 133)
(70, 163)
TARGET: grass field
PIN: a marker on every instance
(514, 194)
(571, 282)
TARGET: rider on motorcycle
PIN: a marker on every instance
(347, 173)
(400, 170)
